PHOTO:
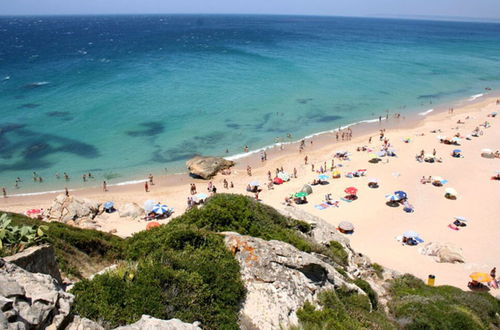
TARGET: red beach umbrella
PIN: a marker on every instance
(278, 180)
(152, 225)
(351, 190)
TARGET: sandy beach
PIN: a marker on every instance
(376, 224)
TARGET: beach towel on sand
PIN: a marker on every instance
(346, 200)
(322, 206)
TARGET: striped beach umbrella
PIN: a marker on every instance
(160, 209)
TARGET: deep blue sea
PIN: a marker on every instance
(122, 96)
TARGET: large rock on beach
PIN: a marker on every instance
(131, 210)
(279, 279)
(443, 252)
(207, 167)
(69, 208)
(31, 300)
(150, 323)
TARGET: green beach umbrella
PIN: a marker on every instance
(301, 194)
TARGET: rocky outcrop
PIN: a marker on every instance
(131, 210)
(279, 279)
(73, 211)
(207, 167)
(443, 252)
(31, 300)
(82, 323)
(150, 323)
(37, 259)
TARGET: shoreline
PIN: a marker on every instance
(365, 126)
(376, 225)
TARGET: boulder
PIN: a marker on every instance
(150, 323)
(131, 210)
(31, 300)
(65, 209)
(443, 252)
(37, 259)
(207, 167)
(82, 323)
(278, 279)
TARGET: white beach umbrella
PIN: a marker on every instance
(451, 191)
(347, 226)
(437, 178)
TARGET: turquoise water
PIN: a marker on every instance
(123, 96)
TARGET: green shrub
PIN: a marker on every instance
(338, 253)
(419, 306)
(191, 276)
(16, 238)
(379, 270)
(372, 295)
(79, 252)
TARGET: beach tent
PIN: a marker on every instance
(152, 225)
(307, 189)
(481, 277)
(278, 180)
(149, 205)
(487, 153)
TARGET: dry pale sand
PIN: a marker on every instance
(376, 224)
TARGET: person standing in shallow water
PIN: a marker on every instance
(4, 191)
(104, 186)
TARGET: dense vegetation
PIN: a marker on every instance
(15, 238)
(183, 270)
(79, 252)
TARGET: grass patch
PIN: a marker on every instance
(338, 253)
(379, 270)
(418, 306)
(79, 252)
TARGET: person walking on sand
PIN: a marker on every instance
(226, 185)
(104, 186)
(150, 177)
(305, 160)
(269, 176)
(370, 140)
(4, 191)
(249, 170)
(146, 186)
(434, 152)
(66, 192)
(295, 173)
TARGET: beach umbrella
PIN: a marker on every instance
(373, 180)
(284, 176)
(307, 189)
(323, 177)
(457, 151)
(451, 191)
(410, 234)
(346, 226)
(455, 139)
(372, 156)
(441, 137)
(429, 156)
(278, 180)
(200, 196)
(459, 218)
(437, 178)
(254, 183)
(149, 205)
(33, 211)
(351, 190)
(336, 174)
(380, 153)
(392, 198)
(160, 209)
(486, 151)
(393, 150)
(481, 277)
(401, 194)
(152, 225)
(108, 205)
(300, 194)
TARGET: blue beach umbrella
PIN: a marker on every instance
(160, 209)
(392, 198)
(108, 205)
(411, 234)
(323, 177)
(401, 194)
(459, 218)
(457, 151)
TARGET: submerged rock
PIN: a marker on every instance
(443, 252)
(207, 167)
(279, 279)
(150, 323)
